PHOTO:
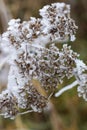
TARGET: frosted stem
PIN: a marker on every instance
(60, 92)
(26, 112)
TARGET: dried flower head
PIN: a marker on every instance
(54, 65)
(57, 22)
(8, 105)
(33, 56)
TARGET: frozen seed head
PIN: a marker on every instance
(31, 98)
(59, 25)
(8, 105)
(33, 55)
(54, 65)
(55, 24)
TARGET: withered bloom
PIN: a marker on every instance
(34, 56)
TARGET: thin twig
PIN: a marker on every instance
(72, 85)
(22, 113)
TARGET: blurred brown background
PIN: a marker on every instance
(68, 112)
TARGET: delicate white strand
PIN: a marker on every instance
(29, 111)
(64, 89)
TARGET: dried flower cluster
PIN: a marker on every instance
(34, 56)
(54, 65)
(8, 104)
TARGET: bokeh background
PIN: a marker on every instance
(67, 112)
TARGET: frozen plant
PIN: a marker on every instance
(34, 57)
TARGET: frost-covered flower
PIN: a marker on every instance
(34, 56)
(57, 22)
(54, 65)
